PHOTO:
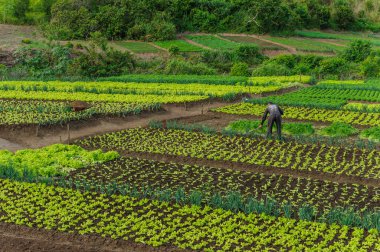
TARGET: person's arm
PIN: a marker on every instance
(281, 111)
(264, 116)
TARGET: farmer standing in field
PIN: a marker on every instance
(275, 113)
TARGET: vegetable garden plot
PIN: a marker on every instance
(180, 79)
(321, 97)
(308, 114)
(214, 42)
(291, 155)
(182, 45)
(159, 223)
(142, 173)
(127, 92)
(21, 112)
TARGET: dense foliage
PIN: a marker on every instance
(161, 20)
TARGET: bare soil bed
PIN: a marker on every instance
(15, 238)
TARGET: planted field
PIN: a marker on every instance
(138, 47)
(306, 45)
(295, 156)
(15, 112)
(195, 179)
(182, 45)
(251, 40)
(308, 114)
(341, 36)
(140, 174)
(159, 223)
(180, 79)
(327, 96)
(213, 42)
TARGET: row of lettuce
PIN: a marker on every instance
(160, 223)
(64, 165)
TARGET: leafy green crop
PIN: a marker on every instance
(160, 223)
(50, 161)
(288, 155)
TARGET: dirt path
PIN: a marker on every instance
(19, 238)
(26, 138)
(291, 49)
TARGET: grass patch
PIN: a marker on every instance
(306, 45)
(372, 134)
(213, 42)
(181, 44)
(138, 47)
(248, 126)
(341, 36)
(338, 129)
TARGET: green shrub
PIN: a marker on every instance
(240, 69)
(338, 129)
(177, 66)
(358, 51)
(372, 134)
(370, 67)
(26, 41)
(271, 69)
(249, 54)
(174, 50)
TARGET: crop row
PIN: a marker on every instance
(160, 223)
(180, 79)
(325, 96)
(332, 93)
(142, 173)
(15, 112)
(285, 155)
(49, 161)
(93, 97)
(308, 114)
(138, 88)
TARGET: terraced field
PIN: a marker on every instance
(197, 180)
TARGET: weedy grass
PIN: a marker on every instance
(338, 129)
(247, 126)
(372, 134)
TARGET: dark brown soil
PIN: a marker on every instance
(267, 170)
(14, 238)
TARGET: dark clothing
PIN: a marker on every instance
(274, 117)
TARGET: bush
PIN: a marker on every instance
(249, 54)
(26, 41)
(358, 51)
(371, 67)
(334, 66)
(176, 66)
(101, 62)
(271, 69)
(240, 69)
(160, 29)
(174, 50)
(221, 60)
(343, 15)
(338, 129)
(51, 61)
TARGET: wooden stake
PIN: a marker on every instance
(68, 133)
(37, 130)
